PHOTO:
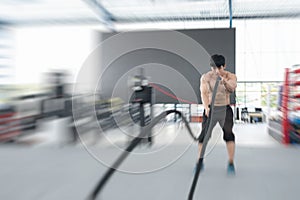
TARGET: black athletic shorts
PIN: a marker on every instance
(223, 115)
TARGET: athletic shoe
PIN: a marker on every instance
(230, 169)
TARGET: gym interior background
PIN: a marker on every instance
(65, 117)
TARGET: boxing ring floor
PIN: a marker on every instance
(264, 170)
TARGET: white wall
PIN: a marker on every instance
(265, 47)
(7, 55)
(42, 49)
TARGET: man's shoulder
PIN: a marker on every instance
(231, 75)
(205, 76)
(209, 73)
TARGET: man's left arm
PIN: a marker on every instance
(230, 82)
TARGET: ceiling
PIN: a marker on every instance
(111, 12)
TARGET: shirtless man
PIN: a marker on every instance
(222, 110)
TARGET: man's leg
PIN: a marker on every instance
(205, 126)
(199, 149)
(203, 134)
(229, 138)
(230, 150)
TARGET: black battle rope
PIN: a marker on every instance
(208, 131)
(144, 132)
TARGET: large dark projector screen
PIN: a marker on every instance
(172, 61)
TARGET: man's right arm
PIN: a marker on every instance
(204, 93)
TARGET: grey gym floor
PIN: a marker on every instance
(265, 168)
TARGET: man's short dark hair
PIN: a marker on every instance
(217, 61)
